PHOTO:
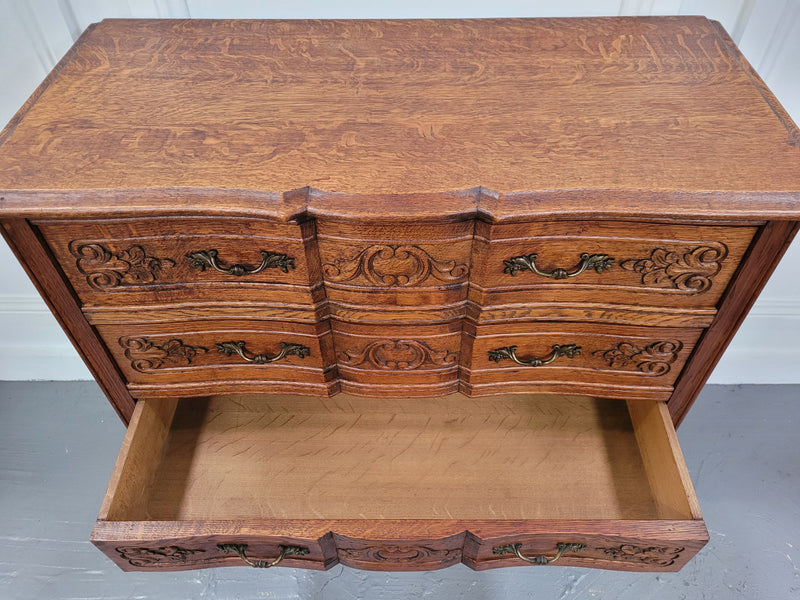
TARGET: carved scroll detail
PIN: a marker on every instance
(394, 266)
(146, 356)
(398, 355)
(688, 272)
(649, 555)
(150, 557)
(400, 554)
(104, 269)
(652, 359)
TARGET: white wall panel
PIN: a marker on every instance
(34, 34)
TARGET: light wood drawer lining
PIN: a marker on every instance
(567, 467)
(351, 457)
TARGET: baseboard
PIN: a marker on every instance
(766, 348)
(33, 346)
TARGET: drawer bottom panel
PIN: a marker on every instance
(406, 484)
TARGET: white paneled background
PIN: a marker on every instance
(34, 34)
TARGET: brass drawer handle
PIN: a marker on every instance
(598, 262)
(201, 259)
(241, 549)
(287, 349)
(568, 350)
(539, 559)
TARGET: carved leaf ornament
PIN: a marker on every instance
(104, 269)
(689, 271)
(145, 355)
(163, 555)
(394, 266)
(401, 554)
(652, 359)
(649, 555)
(398, 355)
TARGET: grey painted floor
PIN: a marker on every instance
(58, 443)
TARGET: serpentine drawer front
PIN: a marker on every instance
(328, 472)
(401, 294)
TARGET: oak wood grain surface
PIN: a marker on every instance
(369, 458)
(404, 106)
(146, 260)
(191, 350)
(649, 264)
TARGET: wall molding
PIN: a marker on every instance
(32, 344)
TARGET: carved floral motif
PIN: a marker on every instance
(688, 272)
(653, 359)
(146, 356)
(398, 355)
(400, 554)
(394, 266)
(150, 557)
(649, 555)
(104, 269)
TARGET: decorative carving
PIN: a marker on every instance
(147, 356)
(398, 355)
(649, 555)
(401, 554)
(688, 272)
(150, 557)
(653, 359)
(104, 269)
(394, 266)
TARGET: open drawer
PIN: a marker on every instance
(400, 484)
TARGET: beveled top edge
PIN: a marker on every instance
(477, 202)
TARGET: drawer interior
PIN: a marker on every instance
(507, 457)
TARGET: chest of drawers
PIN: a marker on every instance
(401, 294)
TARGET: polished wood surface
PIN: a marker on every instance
(512, 105)
(126, 262)
(656, 265)
(517, 457)
(613, 361)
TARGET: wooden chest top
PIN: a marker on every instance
(386, 107)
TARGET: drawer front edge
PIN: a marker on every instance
(400, 545)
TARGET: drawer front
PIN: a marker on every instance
(165, 547)
(158, 261)
(616, 545)
(611, 360)
(221, 353)
(622, 546)
(555, 266)
(398, 360)
(399, 554)
(371, 268)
